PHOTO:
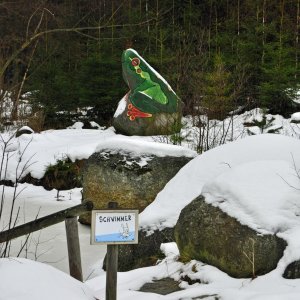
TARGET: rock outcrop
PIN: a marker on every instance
(130, 179)
(150, 107)
(206, 233)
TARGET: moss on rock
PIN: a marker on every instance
(132, 181)
(206, 233)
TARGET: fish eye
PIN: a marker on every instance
(135, 62)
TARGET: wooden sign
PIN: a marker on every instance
(114, 227)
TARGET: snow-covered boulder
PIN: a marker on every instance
(295, 118)
(24, 130)
(206, 233)
(132, 174)
(189, 181)
(254, 180)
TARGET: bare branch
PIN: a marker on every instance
(298, 189)
(37, 35)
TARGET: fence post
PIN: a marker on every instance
(73, 248)
(112, 265)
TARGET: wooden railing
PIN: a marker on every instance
(68, 215)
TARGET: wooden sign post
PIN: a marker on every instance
(113, 227)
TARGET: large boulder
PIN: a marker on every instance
(133, 180)
(204, 232)
(150, 107)
(146, 253)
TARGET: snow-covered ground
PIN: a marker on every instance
(26, 279)
(212, 283)
(49, 245)
(254, 179)
(213, 133)
(39, 150)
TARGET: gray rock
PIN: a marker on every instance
(131, 181)
(162, 286)
(146, 252)
(158, 124)
(150, 107)
(206, 233)
(292, 271)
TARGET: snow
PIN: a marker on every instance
(23, 279)
(213, 282)
(49, 245)
(76, 125)
(169, 249)
(134, 145)
(263, 195)
(253, 179)
(26, 128)
(39, 150)
(189, 181)
(121, 107)
(297, 97)
(215, 132)
(296, 117)
(96, 125)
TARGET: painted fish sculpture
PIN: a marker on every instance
(149, 92)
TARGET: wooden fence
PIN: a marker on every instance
(68, 215)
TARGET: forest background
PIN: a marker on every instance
(217, 55)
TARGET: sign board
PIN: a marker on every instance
(114, 227)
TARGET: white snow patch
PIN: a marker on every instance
(297, 97)
(295, 117)
(121, 106)
(23, 279)
(26, 128)
(170, 249)
(76, 125)
(96, 125)
(138, 147)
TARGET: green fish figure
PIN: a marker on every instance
(149, 91)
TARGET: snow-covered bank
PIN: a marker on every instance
(49, 245)
(45, 148)
(189, 181)
(23, 279)
(254, 180)
(213, 133)
(210, 283)
(39, 150)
